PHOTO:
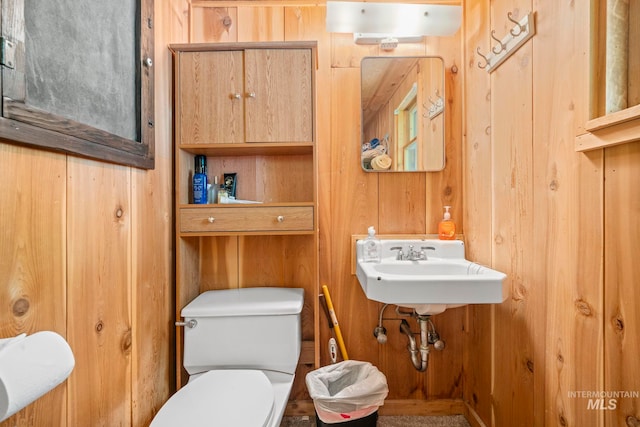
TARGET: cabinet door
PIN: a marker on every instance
(278, 104)
(210, 97)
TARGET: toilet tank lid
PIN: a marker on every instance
(259, 301)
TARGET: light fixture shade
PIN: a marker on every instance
(394, 19)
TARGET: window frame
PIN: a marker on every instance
(611, 129)
(22, 125)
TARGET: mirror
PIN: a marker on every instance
(402, 114)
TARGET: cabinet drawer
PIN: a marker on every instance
(246, 219)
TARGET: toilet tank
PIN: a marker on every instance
(246, 328)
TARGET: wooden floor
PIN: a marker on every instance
(390, 421)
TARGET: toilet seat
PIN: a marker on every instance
(231, 397)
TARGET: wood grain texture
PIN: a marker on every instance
(260, 23)
(267, 219)
(477, 155)
(278, 95)
(621, 275)
(210, 97)
(99, 290)
(33, 261)
(568, 224)
(520, 317)
(213, 24)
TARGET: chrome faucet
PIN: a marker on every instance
(400, 254)
(412, 254)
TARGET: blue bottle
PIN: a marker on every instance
(200, 180)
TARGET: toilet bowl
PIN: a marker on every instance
(241, 352)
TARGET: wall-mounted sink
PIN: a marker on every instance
(445, 279)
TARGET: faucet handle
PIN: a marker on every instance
(423, 251)
(400, 253)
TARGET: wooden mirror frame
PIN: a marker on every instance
(20, 124)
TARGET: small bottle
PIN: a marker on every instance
(213, 192)
(372, 247)
(447, 228)
(222, 194)
(200, 180)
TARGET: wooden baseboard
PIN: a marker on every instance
(395, 407)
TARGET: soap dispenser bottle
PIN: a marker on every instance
(447, 228)
(372, 247)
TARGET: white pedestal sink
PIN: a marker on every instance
(445, 279)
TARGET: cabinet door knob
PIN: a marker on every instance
(251, 95)
(236, 96)
(211, 219)
(280, 218)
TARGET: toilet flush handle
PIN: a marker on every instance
(190, 324)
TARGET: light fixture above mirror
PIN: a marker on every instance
(372, 23)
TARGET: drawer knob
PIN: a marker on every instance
(280, 218)
(211, 219)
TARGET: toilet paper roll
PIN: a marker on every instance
(30, 366)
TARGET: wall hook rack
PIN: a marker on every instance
(517, 36)
(435, 107)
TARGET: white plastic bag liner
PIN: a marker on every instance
(346, 390)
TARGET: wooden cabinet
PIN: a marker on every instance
(245, 95)
(249, 108)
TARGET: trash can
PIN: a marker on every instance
(349, 393)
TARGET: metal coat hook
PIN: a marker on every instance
(502, 45)
(517, 36)
(521, 28)
(486, 60)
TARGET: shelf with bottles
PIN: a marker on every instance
(269, 177)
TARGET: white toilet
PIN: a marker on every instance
(241, 349)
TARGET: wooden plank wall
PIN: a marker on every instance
(563, 226)
(559, 223)
(86, 251)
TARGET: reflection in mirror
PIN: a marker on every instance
(402, 114)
